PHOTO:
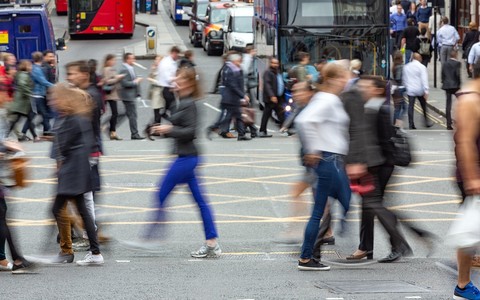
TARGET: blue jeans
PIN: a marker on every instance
(400, 109)
(408, 55)
(183, 171)
(332, 181)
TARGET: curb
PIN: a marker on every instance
(437, 110)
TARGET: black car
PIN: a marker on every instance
(197, 19)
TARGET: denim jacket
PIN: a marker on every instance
(40, 82)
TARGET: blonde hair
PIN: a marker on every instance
(331, 71)
(71, 100)
(473, 26)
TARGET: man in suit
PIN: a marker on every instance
(451, 82)
(129, 92)
(232, 94)
(273, 88)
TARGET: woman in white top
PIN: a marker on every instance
(323, 130)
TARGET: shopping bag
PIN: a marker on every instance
(465, 230)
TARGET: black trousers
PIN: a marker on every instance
(411, 106)
(169, 97)
(449, 93)
(114, 116)
(267, 113)
(5, 234)
(232, 112)
(60, 202)
(372, 205)
(18, 116)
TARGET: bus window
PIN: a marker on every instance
(88, 5)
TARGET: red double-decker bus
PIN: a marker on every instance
(61, 6)
(101, 17)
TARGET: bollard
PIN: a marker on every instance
(151, 40)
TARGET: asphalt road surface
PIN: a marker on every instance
(247, 184)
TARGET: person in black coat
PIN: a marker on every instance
(272, 96)
(471, 37)
(451, 83)
(232, 95)
(377, 130)
(73, 144)
(183, 131)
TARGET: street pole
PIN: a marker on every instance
(154, 7)
(435, 55)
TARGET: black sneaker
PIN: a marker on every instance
(312, 265)
(23, 268)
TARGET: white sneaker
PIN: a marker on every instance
(8, 267)
(207, 251)
(91, 260)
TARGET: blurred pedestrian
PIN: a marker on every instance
(424, 47)
(10, 71)
(249, 74)
(398, 22)
(415, 80)
(323, 129)
(19, 264)
(187, 61)
(110, 87)
(409, 40)
(21, 105)
(74, 141)
(302, 93)
(471, 37)
(39, 95)
(411, 10)
(451, 82)
(448, 37)
(273, 90)
(50, 66)
(167, 71)
(423, 14)
(183, 170)
(398, 95)
(232, 95)
(156, 96)
(129, 91)
(467, 152)
(377, 171)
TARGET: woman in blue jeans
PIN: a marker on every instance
(183, 131)
(323, 130)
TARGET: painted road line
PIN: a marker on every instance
(212, 107)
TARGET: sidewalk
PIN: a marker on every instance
(166, 32)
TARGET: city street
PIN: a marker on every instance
(247, 184)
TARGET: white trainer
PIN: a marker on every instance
(91, 260)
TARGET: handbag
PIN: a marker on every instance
(248, 116)
(465, 230)
(252, 81)
(14, 172)
(400, 146)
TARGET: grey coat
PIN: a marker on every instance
(128, 88)
(74, 142)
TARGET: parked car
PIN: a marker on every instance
(238, 28)
(212, 34)
(197, 18)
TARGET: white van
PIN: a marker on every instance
(238, 28)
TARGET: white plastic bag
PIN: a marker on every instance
(465, 230)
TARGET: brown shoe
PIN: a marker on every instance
(228, 135)
(114, 136)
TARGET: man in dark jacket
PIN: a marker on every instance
(273, 88)
(451, 82)
(232, 94)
